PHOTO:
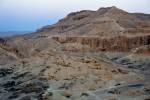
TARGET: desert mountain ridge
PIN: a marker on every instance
(107, 29)
(103, 22)
(88, 55)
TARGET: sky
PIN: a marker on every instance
(29, 15)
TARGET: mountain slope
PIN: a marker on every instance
(88, 55)
(103, 22)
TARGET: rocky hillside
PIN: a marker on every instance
(88, 55)
(109, 29)
(103, 22)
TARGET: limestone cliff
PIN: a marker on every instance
(120, 43)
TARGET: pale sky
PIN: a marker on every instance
(29, 15)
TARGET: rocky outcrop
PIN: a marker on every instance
(120, 43)
(8, 51)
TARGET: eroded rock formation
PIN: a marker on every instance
(120, 43)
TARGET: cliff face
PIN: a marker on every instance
(120, 43)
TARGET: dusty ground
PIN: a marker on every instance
(72, 76)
